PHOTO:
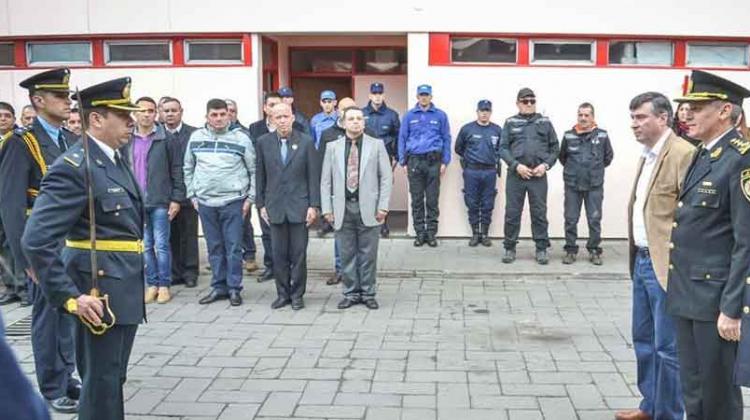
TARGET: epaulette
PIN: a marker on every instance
(20, 131)
(75, 159)
(740, 144)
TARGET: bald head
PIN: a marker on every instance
(282, 117)
(346, 103)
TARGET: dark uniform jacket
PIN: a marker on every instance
(61, 212)
(20, 177)
(530, 140)
(584, 157)
(710, 245)
(479, 144)
(287, 191)
(384, 124)
(181, 138)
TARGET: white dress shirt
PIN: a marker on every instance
(110, 152)
(650, 156)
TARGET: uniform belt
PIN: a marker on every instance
(107, 245)
(480, 166)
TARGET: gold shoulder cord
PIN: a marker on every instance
(36, 153)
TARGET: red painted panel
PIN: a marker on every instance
(680, 54)
(97, 48)
(440, 49)
(602, 53)
(20, 54)
(523, 51)
(178, 52)
(247, 47)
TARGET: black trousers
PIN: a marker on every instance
(184, 242)
(516, 189)
(248, 239)
(593, 201)
(424, 187)
(707, 371)
(103, 364)
(265, 230)
(52, 339)
(289, 259)
(14, 280)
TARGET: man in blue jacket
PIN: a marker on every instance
(424, 150)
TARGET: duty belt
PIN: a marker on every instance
(108, 245)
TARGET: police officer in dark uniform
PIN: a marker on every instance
(710, 251)
(584, 153)
(529, 147)
(25, 157)
(62, 216)
(478, 145)
(383, 122)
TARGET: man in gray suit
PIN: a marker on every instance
(355, 188)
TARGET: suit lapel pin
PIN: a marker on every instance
(294, 147)
(716, 153)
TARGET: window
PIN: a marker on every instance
(131, 52)
(640, 53)
(381, 60)
(483, 50)
(59, 52)
(214, 51)
(717, 54)
(321, 61)
(6, 55)
(562, 52)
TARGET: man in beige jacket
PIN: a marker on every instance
(661, 169)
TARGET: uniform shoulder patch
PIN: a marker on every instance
(74, 159)
(745, 183)
(740, 144)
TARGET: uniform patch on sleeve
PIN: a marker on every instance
(745, 183)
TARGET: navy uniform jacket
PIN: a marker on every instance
(710, 255)
(584, 156)
(479, 144)
(61, 212)
(384, 124)
(20, 178)
(530, 140)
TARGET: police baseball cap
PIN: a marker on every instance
(704, 86)
(377, 87)
(424, 90)
(484, 105)
(525, 93)
(286, 92)
(328, 94)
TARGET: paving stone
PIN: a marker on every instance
(329, 411)
(280, 404)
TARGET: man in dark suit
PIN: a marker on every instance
(25, 158)
(288, 196)
(710, 251)
(68, 279)
(184, 227)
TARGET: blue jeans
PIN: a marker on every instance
(336, 256)
(654, 340)
(222, 227)
(158, 256)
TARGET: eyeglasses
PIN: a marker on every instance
(528, 101)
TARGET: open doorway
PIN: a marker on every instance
(307, 91)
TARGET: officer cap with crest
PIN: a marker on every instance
(113, 94)
(704, 86)
(55, 80)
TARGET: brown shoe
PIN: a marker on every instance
(334, 279)
(251, 266)
(163, 296)
(151, 293)
(632, 415)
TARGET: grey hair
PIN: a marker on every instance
(659, 102)
(735, 114)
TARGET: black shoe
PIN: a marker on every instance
(431, 241)
(595, 258)
(569, 258)
(419, 241)
(63, 405)
(475, 236)
(25, 299)
(334, 279)
(384, 231)
(190, 283)
(510, 256)
(485, 237)
(325, 230)
(541, 257)
(9, 297)
(212, 297)
(298, 304)
(346, 303)
(74, 389)
(266, 275)
(371, 303)
(280, 303)
(234, 298)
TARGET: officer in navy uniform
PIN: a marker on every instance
(478, 145)
(25, 157)
(584, 153)
(529, 147)
(384, 123)
(710, 251)
(61, 216)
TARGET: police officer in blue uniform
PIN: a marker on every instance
(584, 153)
(478, 145)
(383, 122)
(529, 147)
(25, 157)
(62, 215)
(710, 252)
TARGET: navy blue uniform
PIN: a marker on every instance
(24, 158)
(384, 124)
(530, 140)
(584, 157)
(478, 145)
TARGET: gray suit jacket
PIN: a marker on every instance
(375, 180)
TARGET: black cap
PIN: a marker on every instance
(377, 87)
(52, 80)
(484, 105)
(114, 94)
(525, 93)
(704, 86)
(286, 92)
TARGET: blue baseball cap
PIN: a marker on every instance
(484, 105)
(328, 94)
(377, 87)
(424, 90)
(286, 92)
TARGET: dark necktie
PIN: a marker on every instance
(284, 151)
(352, 168)
(61, 142)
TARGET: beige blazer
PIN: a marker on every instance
(658, 212)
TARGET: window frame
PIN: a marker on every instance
(31, 63)
(578, 41)
(717, 43)
(484, 63)
(670, 41)
(188, 61)
(109, 42)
